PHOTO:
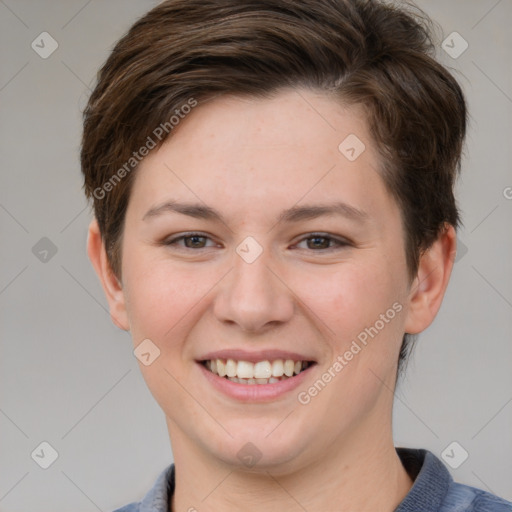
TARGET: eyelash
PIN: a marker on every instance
(340, 243)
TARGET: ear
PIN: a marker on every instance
(429, 286)
(111, 285)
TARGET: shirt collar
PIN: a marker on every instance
(431, 483)
(157, 499)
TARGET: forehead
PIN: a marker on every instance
(238, 152)
(288, 121)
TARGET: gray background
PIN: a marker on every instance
(68, 376)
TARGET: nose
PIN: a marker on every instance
(253, 296)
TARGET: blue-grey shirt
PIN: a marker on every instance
(433, 491)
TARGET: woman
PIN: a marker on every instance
(274, 219)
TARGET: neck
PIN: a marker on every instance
(361, 473)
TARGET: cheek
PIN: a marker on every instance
(350, 298)
(366, 315)
(363, 307)
(160, 297)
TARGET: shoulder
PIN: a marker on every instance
(464, 498)
(434, 489)
(132, 507)
(157, 498)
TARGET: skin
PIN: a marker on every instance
(250, 159)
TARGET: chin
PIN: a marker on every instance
(257, 449)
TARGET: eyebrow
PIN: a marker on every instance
(293, 214)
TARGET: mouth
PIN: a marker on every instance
(256, 373)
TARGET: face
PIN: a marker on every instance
(290, 249)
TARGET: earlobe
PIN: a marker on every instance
(429, 287)
(111, 285)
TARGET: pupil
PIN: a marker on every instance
(194, 240)
(316, 239)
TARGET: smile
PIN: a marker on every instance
(261, 372)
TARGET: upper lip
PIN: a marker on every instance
(254, 357)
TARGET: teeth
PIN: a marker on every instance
(277, 368)
(262, 372)
(221, 368)
(231, 368)
(289, 367)
(245, 370)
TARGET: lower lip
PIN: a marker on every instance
(255, 392)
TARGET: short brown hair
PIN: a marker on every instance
(363, 52)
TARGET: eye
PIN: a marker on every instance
(191, 240)
(322, 242)
(318, 242)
